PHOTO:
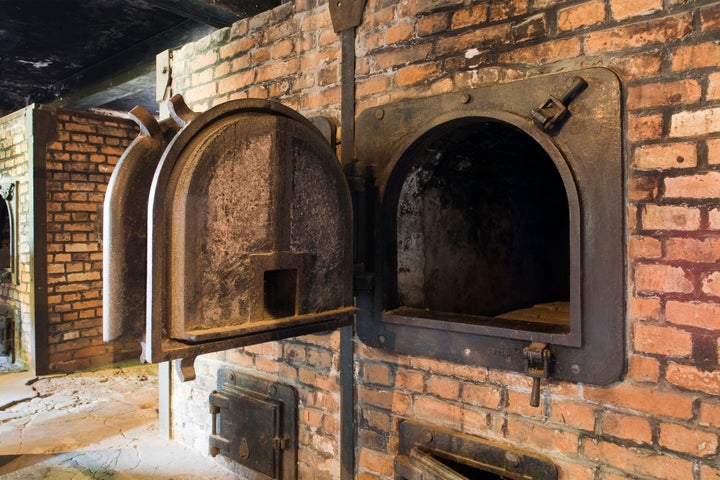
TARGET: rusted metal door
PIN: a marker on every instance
(249, 233)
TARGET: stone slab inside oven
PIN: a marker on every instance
(254, 422)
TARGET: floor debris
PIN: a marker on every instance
(97, 425)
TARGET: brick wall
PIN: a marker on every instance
(63, 161)
(662, 420)
(78, 165)
(15, 157)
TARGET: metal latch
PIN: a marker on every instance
(537, 365)
(552, 113)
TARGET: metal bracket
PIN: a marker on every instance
(163, 75)
(185, 368)
(537, 364)
(346, 13)
(9, 191)
(552, 114)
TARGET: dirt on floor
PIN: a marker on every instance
(96, 425)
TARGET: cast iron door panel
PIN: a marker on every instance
(248, 232)
(500, 232)
(254, 422)
(125, 227)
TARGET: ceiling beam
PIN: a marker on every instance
(121, 75)
(215, 13)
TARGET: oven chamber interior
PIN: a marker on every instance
(493, 235)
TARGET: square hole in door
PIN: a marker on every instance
(280, 293)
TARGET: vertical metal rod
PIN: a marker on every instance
(347, 98)
(347, 156)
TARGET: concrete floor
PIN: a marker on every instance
(96, 425)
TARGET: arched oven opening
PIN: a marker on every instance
(499, 227)
(479, 223)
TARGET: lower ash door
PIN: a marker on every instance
(254, 422)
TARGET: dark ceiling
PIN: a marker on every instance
(99, 53)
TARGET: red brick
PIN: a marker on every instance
(714, 218)
(713, 92)
(696, 123)
(713, 151)
(702, 55)
(692, 378)
(670, 217)
(409, 380)
(627, 427)
(316, 21)
(196, 94)
(443, 387)
(710, 18)
(574, 471)
(643, 307)
(399, 32)
(662, 340)
(479, 395)
(90, 351)
(377, 420)
(544, 53)
(415, 74)
(372, 86)
(573, 414)
(639, 461)
(694, 186)
(654, 32)
(396, 401)
(643, 398)
(644, 187)
(474, 15)
(696, 314)
(583, 15)
(686, 440)
(699, 250)
(665, 156)
(622, 9)
(432, 24)
(661, 279)
(643, 369)
(380, 463)
(377, 374)
(519, 402)
(709, 473)
(644, 247)
(507, 9)
(709, 415)
(711, 284)
(648, 127)
(540, 436)
(438, 412)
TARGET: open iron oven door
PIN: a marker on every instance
(248, 232)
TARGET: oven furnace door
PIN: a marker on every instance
(499, 232)
(248, 233)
